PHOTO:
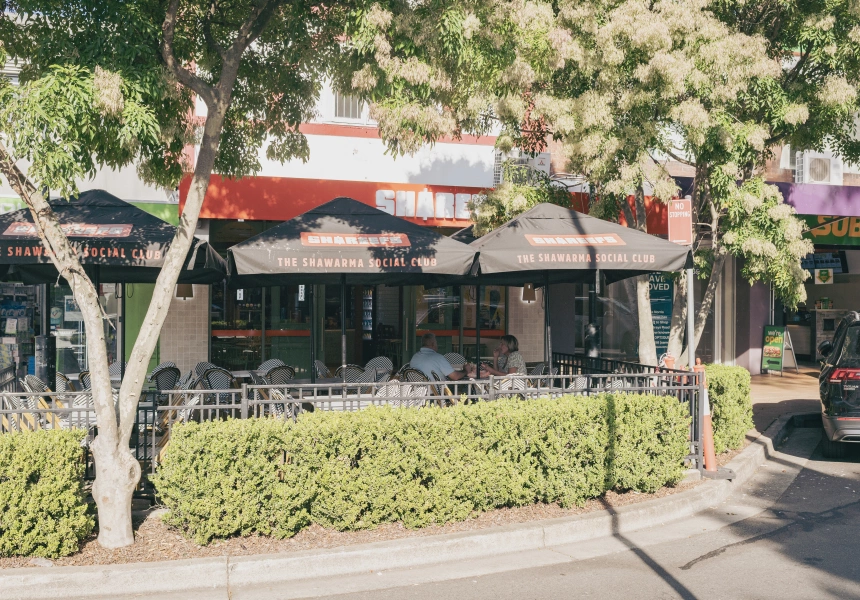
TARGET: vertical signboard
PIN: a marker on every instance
(772, 348)
(681, 221)
(662, 290)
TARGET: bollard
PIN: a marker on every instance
(707, 427)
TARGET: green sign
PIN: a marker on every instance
(772, 348)
(838, 231)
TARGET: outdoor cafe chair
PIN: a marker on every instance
(115, 369)
(349, 373)
(270, 364)
(187, 382)
(322, 370)
(165, 365)
(441, 389)
(202, 367)
(455, 358)
(280, 374)
(64, 384)
(538, 369)
(84, 379)
(379, 363)
(165, 378)
(219, 379)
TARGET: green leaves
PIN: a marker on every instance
(731, 405)
(420, 467)
(42, 506)
(59, 124)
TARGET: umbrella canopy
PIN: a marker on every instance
(116, 242)
(553, 244)
(346, 240)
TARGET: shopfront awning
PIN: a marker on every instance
(552, 244)
(116, 242)
(345, 240)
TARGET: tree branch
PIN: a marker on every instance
(207, 33)
(183, 75)
(253, 27)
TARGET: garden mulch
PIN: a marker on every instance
(157, 541)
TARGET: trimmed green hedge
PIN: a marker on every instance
(731, 405)
(42, 507)
(355, 470)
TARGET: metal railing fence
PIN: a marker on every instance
(160, 411)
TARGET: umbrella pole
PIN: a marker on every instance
(312, 316)
(343, 326)
(478, 326)
(546, 324)
(691, 321)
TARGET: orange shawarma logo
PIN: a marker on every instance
(343, 240)
(601, 239)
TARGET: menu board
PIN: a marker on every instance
(772, 348)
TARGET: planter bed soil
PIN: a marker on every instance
(156, 541)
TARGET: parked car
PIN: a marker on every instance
(839, 385)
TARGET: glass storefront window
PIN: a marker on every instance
(438, 311)
(67, 324)
(288, 326)
(493, 320)
(237, 323)
(331, 326)
(20, 320)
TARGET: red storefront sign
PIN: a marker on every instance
(681, 221)
(282, 198)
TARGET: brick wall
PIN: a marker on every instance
(184, 337)
(525, 322)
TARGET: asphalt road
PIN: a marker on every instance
(793, 531)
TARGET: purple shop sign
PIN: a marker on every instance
(817, 199)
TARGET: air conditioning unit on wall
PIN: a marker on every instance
(538, 162)
(818, 167)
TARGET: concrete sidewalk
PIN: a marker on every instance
(774, 395)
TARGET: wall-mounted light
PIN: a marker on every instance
(529, 293)
(184, 291)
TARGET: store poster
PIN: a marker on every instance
(773, 347)
(72, 310)
(492, 307)
(662, 290)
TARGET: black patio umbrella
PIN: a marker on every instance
(551, 244)
(347, 242)
(116, 243)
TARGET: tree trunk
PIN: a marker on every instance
(647, 344)
(117, 470)
(704, 309)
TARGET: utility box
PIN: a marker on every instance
(46, 359)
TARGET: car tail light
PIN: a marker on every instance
(840, 375)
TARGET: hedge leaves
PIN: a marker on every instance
(42, 508)
(356, 470)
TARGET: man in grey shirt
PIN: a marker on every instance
(427, 359)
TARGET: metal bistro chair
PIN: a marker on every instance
(202, 367)
(379, 363)
(165, 379)
(322, 370)
(219, 379)
(270, 364)
(85, 380)
(187, 382)
(417, 391)
(349, 373)
(280, 374)
(115, 369)
(64, 384)
(441, 389)
(455, 358)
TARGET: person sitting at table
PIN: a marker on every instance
(507, 359)
(427, 359)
